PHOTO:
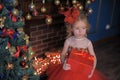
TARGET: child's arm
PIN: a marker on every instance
(64, 51)
(91, 51)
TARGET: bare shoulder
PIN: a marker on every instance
(69, 39)
(88, 40)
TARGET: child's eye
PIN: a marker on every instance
(83, 27)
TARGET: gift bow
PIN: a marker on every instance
(71, 15)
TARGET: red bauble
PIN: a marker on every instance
(92, 0)
(14, 19)
(1, 6)
(23, 64)
(35, 13)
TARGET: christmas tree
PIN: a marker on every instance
(16, 53)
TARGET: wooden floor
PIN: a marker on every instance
(108, 55)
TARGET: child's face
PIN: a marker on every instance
(79, 29)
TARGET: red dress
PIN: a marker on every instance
(81, 65)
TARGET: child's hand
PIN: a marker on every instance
(90, 75)
(66, 66)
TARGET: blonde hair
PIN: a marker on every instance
(82, 17)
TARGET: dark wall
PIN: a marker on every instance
(105, 19)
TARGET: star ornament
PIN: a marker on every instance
(2, 20)
(9, 66)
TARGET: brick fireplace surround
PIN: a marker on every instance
(45, 37)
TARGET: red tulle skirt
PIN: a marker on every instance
(81, 65)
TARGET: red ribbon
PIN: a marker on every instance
(82, 53)
(8, 44)
(19, 48)
(16, 54)
(24, 48)
(71, 15)
(8, 32)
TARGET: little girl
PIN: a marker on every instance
(78, 56)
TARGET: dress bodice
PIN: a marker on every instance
(78, 43)
(81, 55)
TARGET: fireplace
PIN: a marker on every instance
(45, 37)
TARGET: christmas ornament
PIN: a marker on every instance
(74, 2)
(14, 18)
(80, 7)
(15, 3)
(57, 2)
(48, 19)
(67, 3)
(28, 16)
(20, 30)
(35, 73)
(88, 1)
(9, 66)
(1, 6)
(21, 19)
(25, 77)
(15, 12)
(92, 0)
(12, 50)
(35, 13)
(78, 4)
(90, 10)
(31, 6)
(2, 20)
(61, 8)
(43, 9)
(23, 63)
(31, 53)
(25, 58)
(26, 38)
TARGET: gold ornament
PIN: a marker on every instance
(43, 9)
(28, 16)
(22, 18)
(26, 38)
(2, 20)
(48, 19)
(74, 1)
(12, 50)
(9, 66)
(31, 53)
(32, 6)
(15, 3)
(26, 66)
(25, 77)
(25, 58)
(20, 30)
(35, 73)
(88, 1)
(61, 8)
(80, 7)
(90, 10)
(15, 12)
(57, 2)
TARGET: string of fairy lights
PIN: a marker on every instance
(41, 65)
